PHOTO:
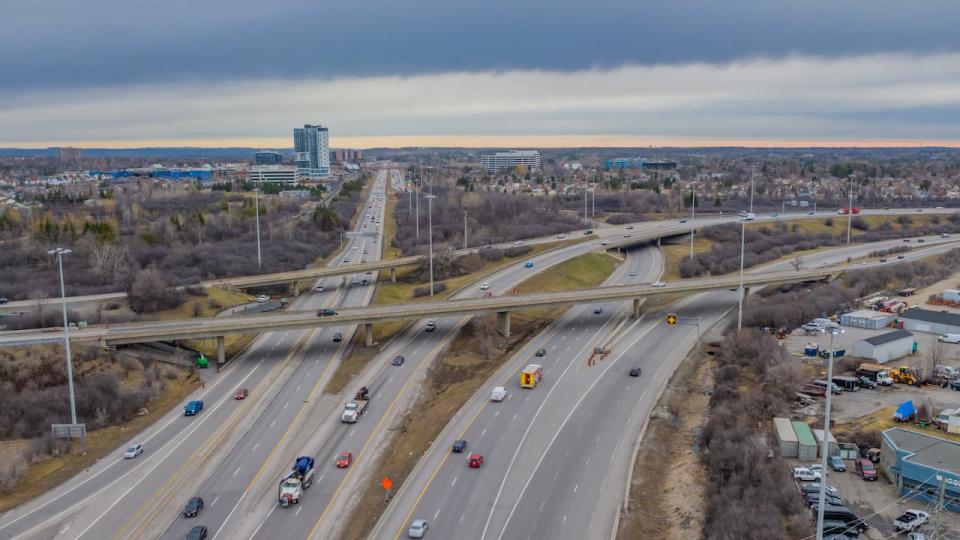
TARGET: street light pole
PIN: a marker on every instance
(752, 177)
(430, 199)
(419, 185)
(850, 211)
(464, 229)
(60, 252)
(256, 202)
(593, 202)
(693, 213)
(743, 236)
(585, 201)
(826, 440)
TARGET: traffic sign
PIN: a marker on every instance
(671, 318)
(387, 483)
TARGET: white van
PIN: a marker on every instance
(499, 394)
(949, 338)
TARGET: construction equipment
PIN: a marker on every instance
(906, 375)
(599, 353)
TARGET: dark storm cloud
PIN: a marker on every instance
(66, 43)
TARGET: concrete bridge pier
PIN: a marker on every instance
(503, 323)
(636, 308)
(368, 334)
(296, 288)
(393, 275)
(221, 353)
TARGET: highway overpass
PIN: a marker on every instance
(296, 320)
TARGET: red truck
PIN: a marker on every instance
(845, 211)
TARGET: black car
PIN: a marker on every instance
(338, 337)
(589, 231)
(193, 507)
(955, 385)
(814, 498)
(398, 361)
(459, 446)
(597, 311)
(3, 300)
(867, 383)
(326, 312)
(635, 372)
(541, 353)
(197, 533)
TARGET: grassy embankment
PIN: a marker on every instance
(45, 474)
(474, 355)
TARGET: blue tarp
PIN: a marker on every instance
(905, 411)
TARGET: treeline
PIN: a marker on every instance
(799, 305)
(491, 218)
(768, 243)
(186, 236)
(750, 491)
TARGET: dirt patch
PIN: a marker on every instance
(668, 478)
(475, 354)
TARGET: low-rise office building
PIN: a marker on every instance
(920, 464)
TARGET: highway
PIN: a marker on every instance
(117, 496)
(644, 231)
(557, 456)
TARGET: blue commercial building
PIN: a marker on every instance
(639, 163)
(918, 464)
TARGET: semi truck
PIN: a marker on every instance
(530, 376)
(299, 479)
(877, 373)
(353, 410)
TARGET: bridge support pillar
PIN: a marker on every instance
(368, 334)
(636, 308)
(221, 353)
(296, 289)
(746, 295)
(503, 323)
(393, 275)
(658, 242)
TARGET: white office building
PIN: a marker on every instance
(311, 146)
(274, 173)
(504, 160)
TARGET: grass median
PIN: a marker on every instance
(476, 352)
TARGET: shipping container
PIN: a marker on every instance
(786, 437)
(806, 443)
(832, 450)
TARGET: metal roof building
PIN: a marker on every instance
(919, 464)
(936, 322)
(884, 347)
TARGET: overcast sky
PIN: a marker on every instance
(224, 72)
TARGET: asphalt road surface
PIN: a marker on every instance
(557, 456)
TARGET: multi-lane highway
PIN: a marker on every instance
(120, 498)
(557, 456)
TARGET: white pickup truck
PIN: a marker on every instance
(910, 520)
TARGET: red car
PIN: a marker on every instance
(241, 394)
(475, 461)
(344, 460)
(866, 470)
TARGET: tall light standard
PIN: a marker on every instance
(743, 236)
(693, 214)
(850, 210)
(464, 229)
(593, 202)
(585, 201)
(826, 437)
(430, 199)
(752, 178)
(256, 202)
(419, 185)
(60, 252)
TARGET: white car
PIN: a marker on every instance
(561, 236)
(518, 243)
(134, 451)
(632, 274)
(658, 284)
(356, 247)
(805, 475)
(418, 528)
(319, 288)
(626, 235)
(263, 299)
(605, 243)
(484, 286)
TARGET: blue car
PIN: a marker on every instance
(529, 264)
(836, 463)
(193, 408)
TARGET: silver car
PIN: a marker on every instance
(418, 528)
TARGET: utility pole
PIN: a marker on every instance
(824, 450)
(937, 520)
(419, 185)
(850, 211)
(256, 202)
(430, 199)
(752, 177)
(743, 236)
(593, 203)
(585, 202)
(693, 214)
(60, 252)
(464, 229)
